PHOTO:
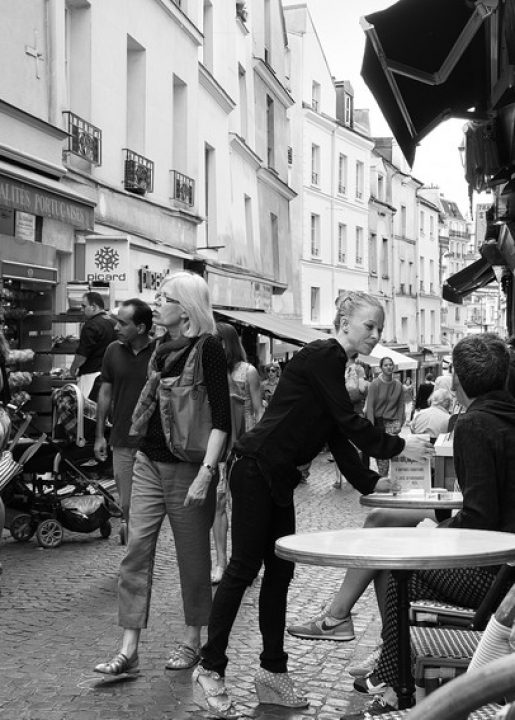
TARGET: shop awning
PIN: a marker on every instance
(425, 61)
(278, 327)
(464, 282)
(402, 362)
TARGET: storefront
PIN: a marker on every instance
(39, 219)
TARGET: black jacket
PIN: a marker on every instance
(484, 459)
(311, 407)
(424, 392)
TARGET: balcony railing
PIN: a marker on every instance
(85, 140)
(342, 189)
(341, 258)
(315, 251)
(138, 174)
(314, 178)
(314, 104)
(359, 260)
(290, 155)
(183, 188)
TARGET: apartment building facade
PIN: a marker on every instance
(330, 171)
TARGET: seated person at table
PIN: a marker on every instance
(484, 459)
(434, 420)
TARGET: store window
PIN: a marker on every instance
(27, 308)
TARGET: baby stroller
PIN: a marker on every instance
(56, 486)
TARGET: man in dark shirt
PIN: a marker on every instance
(124, 372)
(96, 334)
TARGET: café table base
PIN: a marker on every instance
(406, 688)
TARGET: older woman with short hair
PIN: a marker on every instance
(163, 484)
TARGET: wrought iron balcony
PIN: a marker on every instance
(85, 140)
(183, 188)
(138, 174)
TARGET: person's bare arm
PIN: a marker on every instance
(255, 392)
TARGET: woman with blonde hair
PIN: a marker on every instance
(310, 407)
(164, 484)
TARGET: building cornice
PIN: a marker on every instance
(213, 87)
(182, 20)
(350, 135)
(98, 185)
(241, 147)
(28, 119)
(331, 266)
(270, 178)
(31, 161)
(268, 76)
(427, 203)
(381, 203)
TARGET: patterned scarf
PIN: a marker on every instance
(166, 354)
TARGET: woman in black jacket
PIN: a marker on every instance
(311, 407)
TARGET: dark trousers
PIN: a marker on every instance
(257, 521)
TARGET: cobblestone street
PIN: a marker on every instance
(58, 612)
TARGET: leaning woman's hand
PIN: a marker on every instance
(197, 491)
(416, 448)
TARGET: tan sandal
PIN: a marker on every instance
(182, 657)
(119, 665)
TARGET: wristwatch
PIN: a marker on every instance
(209, 467)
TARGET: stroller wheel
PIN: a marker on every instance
(22, 527)
(105, 529)
(49, 533)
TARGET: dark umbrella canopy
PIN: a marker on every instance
(464, 282)
(420, 34)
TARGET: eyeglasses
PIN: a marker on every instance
(161, 298)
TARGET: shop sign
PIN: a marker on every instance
(150, 280)
(25, 226)
(36, 201)
(107, 261)
(239, 292)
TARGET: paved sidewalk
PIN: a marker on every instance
(58, 619)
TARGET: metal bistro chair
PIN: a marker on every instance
(472, 696)
(442, 653)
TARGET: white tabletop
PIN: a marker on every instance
(407, 500)
(399, 548)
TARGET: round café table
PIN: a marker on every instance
(442, 503)
(400, 550)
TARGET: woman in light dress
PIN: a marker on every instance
(246, 410)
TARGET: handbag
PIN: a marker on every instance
(184, 399)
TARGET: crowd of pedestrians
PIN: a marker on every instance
(196, 431)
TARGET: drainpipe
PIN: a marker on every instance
(332, 212)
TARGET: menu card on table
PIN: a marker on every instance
(410, 475)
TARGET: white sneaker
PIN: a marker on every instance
(324, 628)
